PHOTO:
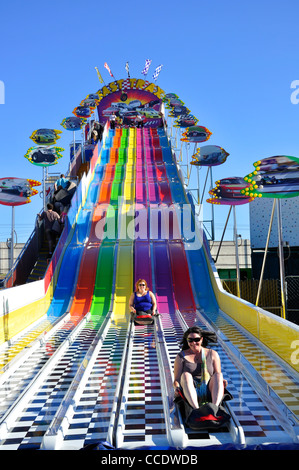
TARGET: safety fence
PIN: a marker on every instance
(270, 296)
(292, 298)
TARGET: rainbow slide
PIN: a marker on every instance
(76, 372)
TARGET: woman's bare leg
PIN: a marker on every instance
(189, 389)
(216, 388)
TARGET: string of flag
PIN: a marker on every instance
(144, 71)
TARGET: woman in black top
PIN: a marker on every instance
(197, 369)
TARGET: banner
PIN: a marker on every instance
(228, 192)
(17, 191)
(209, 155)
(83, 111)
(73, 123)
(129, 98)
(44, 156)
(274, 177)
(185, 120)
(196, 134)
(45, 136)
(179, 111)
(90, 102)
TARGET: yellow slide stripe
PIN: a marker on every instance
(124, 266)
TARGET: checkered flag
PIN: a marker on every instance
(147, 66)
(126, 84)
(157, 71)
(127, 69)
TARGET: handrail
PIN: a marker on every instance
(175, 429)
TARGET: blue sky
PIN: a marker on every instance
(232, 63)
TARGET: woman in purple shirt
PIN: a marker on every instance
(142, 301)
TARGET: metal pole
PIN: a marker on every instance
(204, 188)
(213, 221)
(203, 191)
(12, 236)
(187, 153)
(230, 209)
(181, 153)
(74, 142)
(198, 189)
(265, 254)
(171, 120)
(44, 188)
(281, 259)
(237, 253)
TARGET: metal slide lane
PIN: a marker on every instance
(43, 326)
(143, 412)
(43, 329)
(266, 426)
(73, 254)
(145, 409)
(236, 433)
(142, 418)
(87, 271)
(84, 414)
(171, 290)
(172, 278)
(280, 381)
(86, 279)
(141, 415)
(111, 361)
(8, 441)
(124, 278)
(263, 369)
(93, 397)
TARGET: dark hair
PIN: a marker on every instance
(208, 336)
(50, 206)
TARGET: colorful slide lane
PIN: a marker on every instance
(90, 411)
(69, 249)
(103, 282)
(114, 383)
(173, 288)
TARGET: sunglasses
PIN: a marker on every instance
(141, 284)
(193, 340)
